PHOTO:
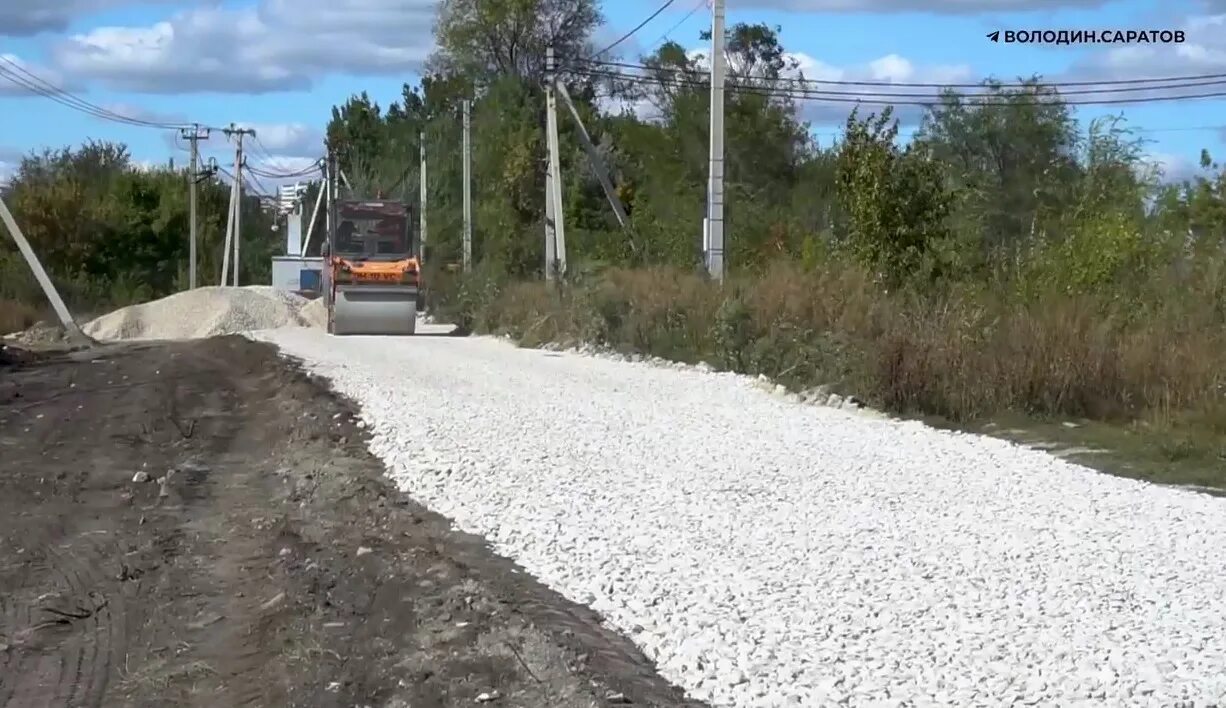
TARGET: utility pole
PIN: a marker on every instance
(40, 275)
(553, 197)
(422, 196)
(326, 188)
(713, 237)
(551, 239)
(468, 189)
(240, 133)
(227, 248)
(193, 135)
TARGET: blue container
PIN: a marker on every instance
(309, 279)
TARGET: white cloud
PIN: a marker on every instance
(276, 45)
(19, 18)
(292, 140)
(1203, 52)
(10, 159)
(1172, 167)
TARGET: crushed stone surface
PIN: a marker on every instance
(205, 312)
(766, 553)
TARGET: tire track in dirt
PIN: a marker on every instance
(276, 566)
(65, 638)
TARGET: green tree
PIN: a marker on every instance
(895, 203)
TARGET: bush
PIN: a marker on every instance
(962, 354)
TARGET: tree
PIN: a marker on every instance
(895, 202)
(484, 39)
(111, 232)
(1011, 158)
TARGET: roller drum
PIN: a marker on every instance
(374, 309)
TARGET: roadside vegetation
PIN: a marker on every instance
(111, 232)
(1007, 265)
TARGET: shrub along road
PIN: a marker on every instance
(200, 524)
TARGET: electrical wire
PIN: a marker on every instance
(886, 99)
(17, 74)
(701, 4)
(904, 84)
(631, 33)
(286, 174)
(263, 149)
(252, 178)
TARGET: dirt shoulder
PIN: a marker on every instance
(265, 560)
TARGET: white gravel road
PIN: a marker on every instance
(766, 553)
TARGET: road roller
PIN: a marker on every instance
(373, 272)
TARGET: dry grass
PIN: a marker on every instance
(16, 316)
(961, 356)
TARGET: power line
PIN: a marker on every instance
(17, 74)
(286, 174)
(700, 4)
(885, 99)
(641, 25)
(988, 81)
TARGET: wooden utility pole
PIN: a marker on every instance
(193, 135)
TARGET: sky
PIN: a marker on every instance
(278, 66)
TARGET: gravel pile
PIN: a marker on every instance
(766, 553)
(315, 314)
(204, 312)
(40, 335)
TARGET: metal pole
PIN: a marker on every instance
(714, 242)
(555, 191)
(551, 255)
(421, 207)
(468, 193)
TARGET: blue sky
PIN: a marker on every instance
(279, 65)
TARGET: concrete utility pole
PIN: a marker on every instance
(468, 189)
(193, 135)
(227, 248)
(326, 188)
(240, 133)
(713, 236)
(44, 282)
(422, 197)
(551, 254)
(598, 165)
(553, 197)
(319, 197)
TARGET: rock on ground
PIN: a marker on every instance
(767, 553)
(205, 312)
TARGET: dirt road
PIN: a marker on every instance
(199, 524)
